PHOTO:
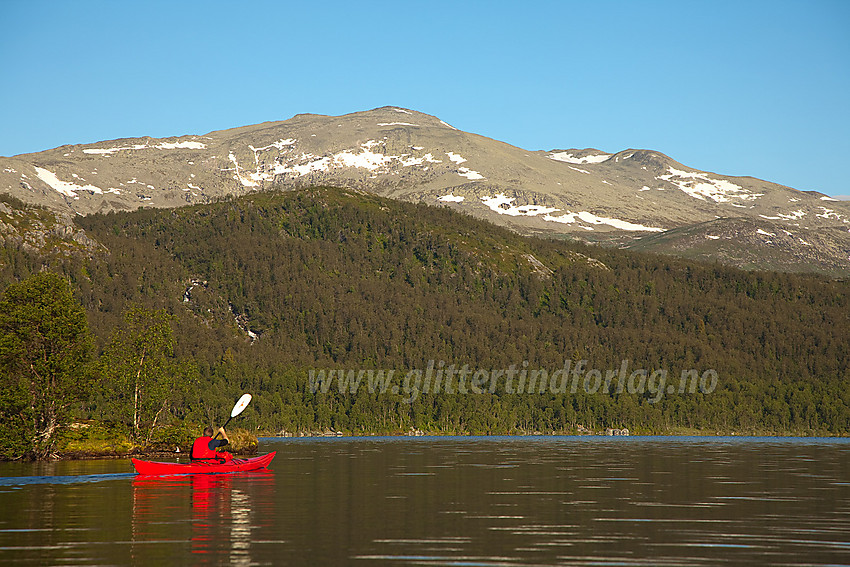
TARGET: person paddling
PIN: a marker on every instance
(204, 447)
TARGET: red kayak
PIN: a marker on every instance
(203, 467)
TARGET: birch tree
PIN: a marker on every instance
(140, 369)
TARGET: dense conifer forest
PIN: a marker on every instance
(264, 292)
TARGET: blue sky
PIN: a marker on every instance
(739, 88)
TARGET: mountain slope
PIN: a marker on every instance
(412, 156)
(753, 244)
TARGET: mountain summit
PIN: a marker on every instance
(632, 198)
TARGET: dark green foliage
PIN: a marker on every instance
(16, 419)
(141, 376)
(333, 279)
(44, 351)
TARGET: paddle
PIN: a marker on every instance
(237, 409)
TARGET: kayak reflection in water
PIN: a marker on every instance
(204, 447)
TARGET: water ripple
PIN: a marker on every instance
(17, 481)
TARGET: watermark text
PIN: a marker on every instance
(573, 377)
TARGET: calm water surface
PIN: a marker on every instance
(476, 501)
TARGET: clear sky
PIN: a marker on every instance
(744, 87)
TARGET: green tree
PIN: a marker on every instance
(45, 348)
(140, 369)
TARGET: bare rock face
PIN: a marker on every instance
(40, 230)
(633, 198)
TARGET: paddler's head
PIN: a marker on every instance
(208, 431)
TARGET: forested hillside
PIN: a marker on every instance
(265, 288)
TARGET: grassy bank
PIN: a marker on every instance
(93, 439)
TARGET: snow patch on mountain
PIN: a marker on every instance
(181, 146)
(503, 205)
(407, 161)
(313, 164)
(450, 198)
(366, 159)
(793, 215)
(186, 145)
(107, 151)
(66, 188)
(701, 186)
(246, 181)
(455, 158)
(279, 145)
(828, 213)
(591, 218)
(366, 156)
(570, 158)
(469, 174)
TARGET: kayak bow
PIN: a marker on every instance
(203, 467)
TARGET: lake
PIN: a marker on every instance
(460, 501)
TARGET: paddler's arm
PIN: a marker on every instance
(216, 443)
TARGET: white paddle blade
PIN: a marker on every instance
(241, 405)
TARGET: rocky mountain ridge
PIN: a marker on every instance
(632, 198)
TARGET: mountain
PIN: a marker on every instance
(634, 198)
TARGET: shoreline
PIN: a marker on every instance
(93, 453)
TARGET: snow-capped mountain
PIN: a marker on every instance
(637, 198)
